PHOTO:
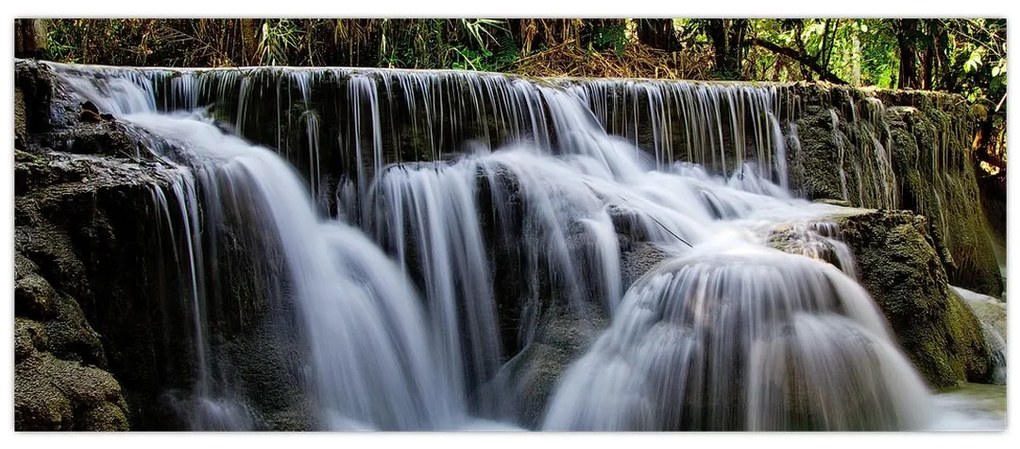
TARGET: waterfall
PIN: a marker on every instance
(372, 364)
(735, 336)
(419, 226)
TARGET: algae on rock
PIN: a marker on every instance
(902, 271)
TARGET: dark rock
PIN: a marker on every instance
(89, 116)
(89, 106)
(33, 297)
(55, 394)
(20, 119)
(563, 336)
(29, 337)
(640, 259)
(99, 273)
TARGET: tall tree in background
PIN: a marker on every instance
(658, 33)
(907, 37)
(727, 36)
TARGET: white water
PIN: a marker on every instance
(757, 339)
(727, 335)
(992, 314)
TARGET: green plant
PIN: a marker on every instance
(277, 38)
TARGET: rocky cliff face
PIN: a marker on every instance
(105, 331)
(899, 150)
(84, 289)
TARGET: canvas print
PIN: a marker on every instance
(505, 224)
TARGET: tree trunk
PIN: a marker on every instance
(249, 44)
(658, 33)
(906, 38)
(727, 37)
(30, 38)
(929, 58)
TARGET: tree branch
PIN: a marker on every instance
(799, 57)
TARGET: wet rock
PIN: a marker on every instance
(901, 270)
(639, 259)
(907, 150)
(55, 394)
(988, 309)
(834, 202)
(269, 361)
(563, 336)
(628, 223)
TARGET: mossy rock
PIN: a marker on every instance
(34, 297)
(563, 336)
(902, 271)
(844, 136)
(55, 394)
(938, 181)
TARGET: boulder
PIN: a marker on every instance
(55, 394)
(563, 336)
(902, 271)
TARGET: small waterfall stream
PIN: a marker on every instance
(426, 210)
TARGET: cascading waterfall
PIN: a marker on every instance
(369, 346)
(465, 204)
(736, 336)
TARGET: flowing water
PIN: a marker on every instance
(423, 226)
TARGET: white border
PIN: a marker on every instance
(513, 8)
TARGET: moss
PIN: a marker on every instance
(902, 271)
(34, 297)
(967, 340)
(930, 167)
(106, 416)
(29, 337)
(54, 394)
(938, 181)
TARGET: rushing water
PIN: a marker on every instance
(404, 282)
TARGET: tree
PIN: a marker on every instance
(30, 38)
(658, 33)
(907, 37)
(727, 36)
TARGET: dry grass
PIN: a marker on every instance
(638, 61)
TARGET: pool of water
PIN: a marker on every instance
(972, 407)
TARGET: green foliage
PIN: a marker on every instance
(278, 39)
(613, 37)
(969, 54)
(879, 60)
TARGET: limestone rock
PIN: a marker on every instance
(902, 271)
(563, 336)
(54, 394)
(34, 297)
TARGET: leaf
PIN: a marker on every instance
(974, 61)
